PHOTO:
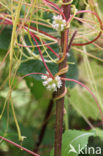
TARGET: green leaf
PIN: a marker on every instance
(99, 132)
(36, 87)
(84, 103)
(72, 140)
(5, 38)
(81, 100)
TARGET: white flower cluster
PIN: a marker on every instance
(51, 84)
(58, 23)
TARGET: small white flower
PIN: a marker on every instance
(59, 17)
(58, 23)
(52, 84)
(45, 83)
(57, 78)
(54, 17)
(49, 79)
(62, 26)
(59, 84)
(64, 21)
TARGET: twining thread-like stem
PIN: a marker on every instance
(20, 147)
(15, 23)
(13, 37)
(16, 122)
(60, 102)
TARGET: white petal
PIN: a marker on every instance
(45, 83)
(63, 21)
(53, 85)
(57, 78)
(59, 84)
(54, 17)
(49, 80)
(62, 26)
(59, 17)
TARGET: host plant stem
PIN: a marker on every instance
(60, 102)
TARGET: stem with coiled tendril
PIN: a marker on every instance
(62, 90)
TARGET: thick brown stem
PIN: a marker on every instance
(60, 102)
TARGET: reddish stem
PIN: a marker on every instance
(55, 6)
(22, 148)
(99, 20)
(41, 55)
(33, 74)
(87, 43)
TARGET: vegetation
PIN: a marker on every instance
(51, 57)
